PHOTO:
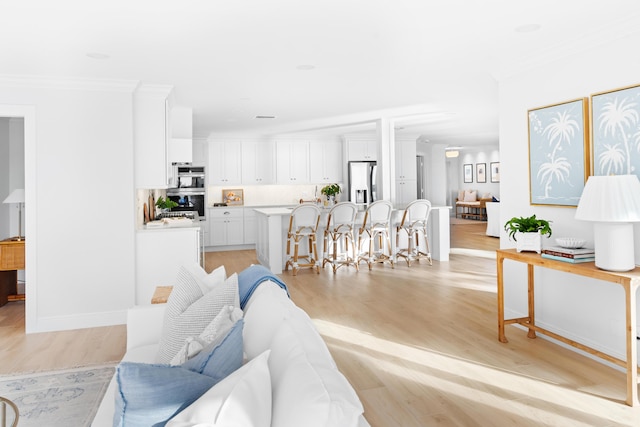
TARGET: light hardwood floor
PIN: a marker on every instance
(419, 344)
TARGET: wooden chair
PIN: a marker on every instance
(339, 235)
(9, 413)
(303, 225)
(414, 223)
(375, 229)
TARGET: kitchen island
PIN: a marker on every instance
(273, 224)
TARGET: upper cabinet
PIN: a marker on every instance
(325, 161)
(181, 142)
(151, 127)
(258, 159)
(405, 159)
(224, 162)
(199, 152)
(292, 162)
(361, 149)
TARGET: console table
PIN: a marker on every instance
(629, 280)
(11, 260)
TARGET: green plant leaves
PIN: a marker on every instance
(527, 225)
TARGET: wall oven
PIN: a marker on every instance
(190, 193)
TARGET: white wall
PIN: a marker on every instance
(589, 311)
(79, 202)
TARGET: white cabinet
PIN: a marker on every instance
(224, 163)
(292, 162)
(159, 256)
(226, 226)
(250, 226)
(258, 159)
(151, 130)
(406, 159)
(199, 152)
(406, 174)
(181, 141)
(325, 161)
(406, 191)
(362, 150)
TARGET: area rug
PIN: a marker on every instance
(57, 398)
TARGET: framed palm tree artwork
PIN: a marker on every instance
(558, 152)
(616, 132)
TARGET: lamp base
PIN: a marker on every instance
(614, 246)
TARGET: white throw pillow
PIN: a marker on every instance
(460, 195)
(243, 399)
(219, 326)
(189, 311)
(207, 281)
(470, 196)
(305, 393)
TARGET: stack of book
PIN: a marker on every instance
(569, 255)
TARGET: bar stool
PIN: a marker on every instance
(414, 223)
(376, 228)
(9, 413)
(303, 224)
(339, 234)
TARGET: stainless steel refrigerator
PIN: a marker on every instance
(362, 182)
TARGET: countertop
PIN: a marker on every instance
(171, 223)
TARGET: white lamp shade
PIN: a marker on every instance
(16, 196)
(614, 198)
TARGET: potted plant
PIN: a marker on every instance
(165, 204)
(331, 190)
(530, 231)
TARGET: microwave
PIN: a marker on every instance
(188, 176)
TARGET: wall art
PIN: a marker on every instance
(495, 171)
(468, 173)
(558, 152)
(481, 172)
(616, 132)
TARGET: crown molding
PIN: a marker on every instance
(68, 83)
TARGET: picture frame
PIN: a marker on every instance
(468, 173)
(233, 197)
(481, 172)
(494, 168)
(559, 161)
(615, 138)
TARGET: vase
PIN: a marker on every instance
(531, 242)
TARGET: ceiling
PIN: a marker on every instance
(431, 67)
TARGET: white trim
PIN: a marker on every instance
(28, 113)
(80, 321)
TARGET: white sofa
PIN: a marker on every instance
(265, 313)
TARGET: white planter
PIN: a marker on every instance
(531, 242)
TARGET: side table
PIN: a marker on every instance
(12, 258)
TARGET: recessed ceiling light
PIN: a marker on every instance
(306, 67)
(98, 55)
(265, 117)
(527, 28)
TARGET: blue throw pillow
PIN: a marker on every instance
(150, 395)
(220, 357)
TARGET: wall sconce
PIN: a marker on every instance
(612, 203)
(17, 196)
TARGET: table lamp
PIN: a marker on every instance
(612, 203)
(17, 196)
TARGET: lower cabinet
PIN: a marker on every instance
(406, 191)
(159, 255)
(250, 226)
(226, 226)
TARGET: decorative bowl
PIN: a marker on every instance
(570, 242)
